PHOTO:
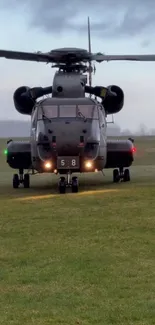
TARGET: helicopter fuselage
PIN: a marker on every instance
(68, 130)
(68, 135)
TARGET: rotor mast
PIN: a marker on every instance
(75, 65)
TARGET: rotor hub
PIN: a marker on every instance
(70, 55)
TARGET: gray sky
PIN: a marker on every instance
(111, 18)
(117, 28)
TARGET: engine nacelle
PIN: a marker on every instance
(120, 153)
(23, 100)
(113, 102)
(19, 154)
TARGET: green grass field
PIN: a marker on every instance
(79, 259)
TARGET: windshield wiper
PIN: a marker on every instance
(81, 115)
(46, 118)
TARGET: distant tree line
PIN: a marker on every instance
(115, 130)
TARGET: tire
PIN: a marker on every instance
(75, 185)
(116, 176)
(126, 175)
(74, 188)
(26, 181)
(62, 189)
(62, 185)
(15, 181)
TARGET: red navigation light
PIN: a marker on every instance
(134, 149)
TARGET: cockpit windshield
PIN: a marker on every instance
(73, 111)
(87, 111)
(48, 112)
(67, 111)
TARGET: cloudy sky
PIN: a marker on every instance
(116, 28)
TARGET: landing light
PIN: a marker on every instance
(48, 165)
(88, 164)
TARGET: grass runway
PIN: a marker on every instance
(85, 258)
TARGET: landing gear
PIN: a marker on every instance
(26, 181)
(68, 182)
(126, 175)
(62, 185)
(74, 184)
(116, 176)
(120, 175)
(16, 181)
(21, 179)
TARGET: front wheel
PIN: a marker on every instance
(15, 181)
(26, 181)
(116, 176)
(126, 175)
(62, 185)
(74, 184)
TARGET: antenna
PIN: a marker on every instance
(89, 50)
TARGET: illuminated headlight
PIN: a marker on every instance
(88, 164)
(48, 165)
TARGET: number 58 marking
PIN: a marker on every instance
(73, 162)
(62, 162)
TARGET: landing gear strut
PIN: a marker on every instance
(121, 175)
(68, 182)
(21, 178)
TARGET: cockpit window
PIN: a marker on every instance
(48, 112)
(85, 111)
(67, 111)
(54, 111)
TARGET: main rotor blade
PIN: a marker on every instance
(26, 56)
(142, 57)
(54, 57)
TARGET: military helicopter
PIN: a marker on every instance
(68, 128)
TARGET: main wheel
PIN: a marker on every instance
(15, 181)
(26, 181)
(126, 175)
(62, 185)
(74, 184)
(116, 176)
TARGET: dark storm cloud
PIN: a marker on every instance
(119, 18)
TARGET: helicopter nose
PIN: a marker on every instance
(69, 137)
